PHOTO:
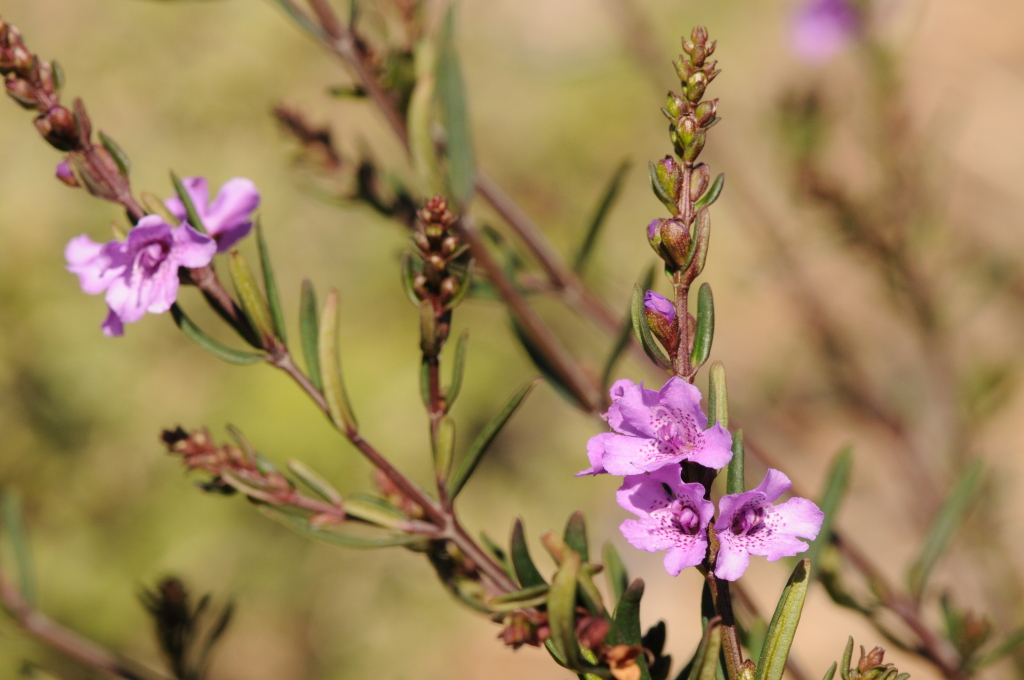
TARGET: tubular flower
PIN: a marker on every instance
(821, 28)
(655, 429)
(228, 218)
(139, 274)
(673, 516)
(749, 524)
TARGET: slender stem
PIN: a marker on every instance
(723, 607)
(68, 642)
(682, 293)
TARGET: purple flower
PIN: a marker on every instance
(656, 302)
(823, 27)
(652, 229)
(140, 274)
(748, 524)
(64, 174)
(673, 516)
(655, 429)
(227, 219)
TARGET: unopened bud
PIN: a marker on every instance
(676, 106)
(675, 242)
(699, 55)
(667, 172)
(688, 46)
(709, 49)
(419, 286)
(591, 632)
(654, 235)
(433, 267)
(695, 86)
(449, 287)
(44, 72)
(699, 181)
(22, 59)
(661, 317)
(65, 175)
(696, 145)
(875, 657)
(449, 245)
(705, 112)
(699, 35)
(58, 127)
(20, 91)
(684, 69)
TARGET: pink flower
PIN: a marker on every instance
(140, 274)
(656, 429)
(749, 524)
(823, 27)
(673, 516)
(228, 218)
(661, 305)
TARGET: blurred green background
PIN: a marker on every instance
(558, 99)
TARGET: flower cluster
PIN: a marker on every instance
(654, 434)
(140, 274)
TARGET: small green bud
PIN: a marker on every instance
(695, 86)
(677, 107)
(699, 182)
(696, 145)
(705, 112)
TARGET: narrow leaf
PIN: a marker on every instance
(314, 481)
(451, 93)
(705, 663)
(458, 370)
(551, 373)
(523, 564)
(408, 278)
(575, 535)
(562, 610)
(373, 511)
(712, 194)
(309, 329)
(17, 535)
(214, 347)
(338, 404)
(643, 331)
(718, 396)
(124, 165)
(301, 526)
(499, 555)
(701, 241)
(661, 192)
(948, 520)
(626, 331)
(734, 480)
(627, 613)
(614, 571)
(420, 117)
(835, 491)
(705, 331)
(831, 672)
(251, 299)
(270, 285)
(611, 192)
(444, 447)
(464, 287)
(485, 438)
(1008, 646)
(782, 629)
(844, 666)
(190, 208)
(534, 595)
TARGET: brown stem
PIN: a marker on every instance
(723, 607)
(682, 359)
(68, 642)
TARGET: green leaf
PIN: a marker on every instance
(409, 277)
(444, 447)
(309, 329)
(663, 193)
(611, 192)
(301, 526)
(614, 571)
(562, 610)
(420, 117)
(831, 672)
(541, 362)
(643, 331)
(299, 18)
(338, 405)
(575, 535)
(734, 478)
(270, 285)
(499, 555)
(523, 564)
(465, 286)
(831, 498)
(712, 194)
(534, 596)
(705, 331)
(191, 213)
(844, 666)
(485, 438)
(17, 535)
(627, 613)
(700, 242)
(626, 331)
(250, 297)
(124, 165)
(718, 396)
(782, 629)
(214, 347)
(458, 370)
(451, 93)
(314, 481)
(948, 520)
(705, 664)
(374, 511)
(1010, 645)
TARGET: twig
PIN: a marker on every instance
(68, 642)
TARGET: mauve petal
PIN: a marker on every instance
(634, 455)
(714, 448)
(619, 388)
(235, 201)
(192, 249)
(198, 191)
(150, 228)
(684, 399)
(656, 302)
(823, 27)
(689, 551)
(733, 559)
(595, 454)
(640, 494)
(775, 484)
(112, 326)
(779, 546)
(694, 492)
(729, 504)
(127, 300)
(631, 413)
(799, 517)
(162, 288)
(229, 236)
(92, 263)
(645, 534)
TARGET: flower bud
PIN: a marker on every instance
(705, 112)
(23, 60)
(57, 126)
(667, 171)
(686, 130)
(675, 242)
(661, 317)
(688, 46)
(677, 107)
(591, 632)
(449, 245)
(44, 72)
(696, 145)
(20, 91)
(699, 181)
(695, 86)
(449, 287)
(698, 55)
(699, 35)
(65, 175)
(684, 69)
(654, 235)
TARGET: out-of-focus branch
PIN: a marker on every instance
(68, 642)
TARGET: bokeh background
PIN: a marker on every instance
(561, 92)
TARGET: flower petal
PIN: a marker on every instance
(95, 264)
(683, 399)
(689, 551)
(112, 326)
(190, 248)
(775, 484)
(713, 448)
(640, 494)
(799, 517)
(595, 453)
(634, 455)
(235, 202)
(198, 191)
(733, 557)
(647, 534)
(631, 412)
